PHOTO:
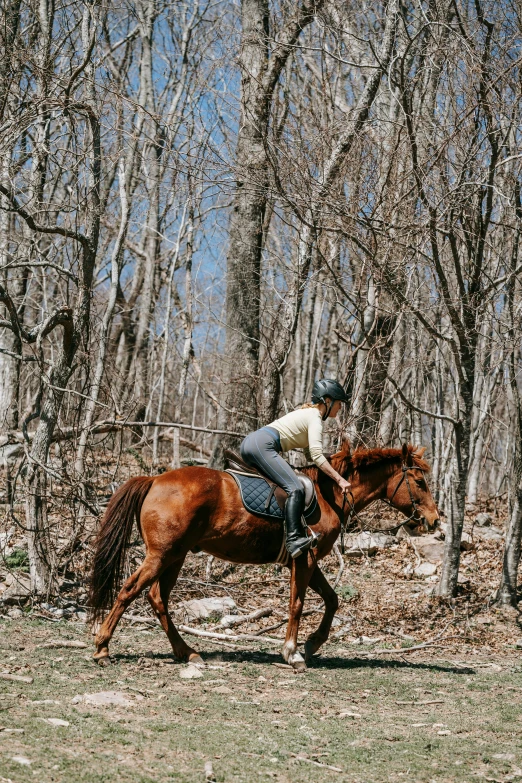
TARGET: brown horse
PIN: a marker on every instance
(196, 508)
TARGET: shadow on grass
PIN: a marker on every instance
(319, 662)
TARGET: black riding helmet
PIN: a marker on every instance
(328, 387)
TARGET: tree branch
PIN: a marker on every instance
(34, 226)
(408, 402)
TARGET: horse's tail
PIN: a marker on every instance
(112, 541)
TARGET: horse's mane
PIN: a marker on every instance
(347, 462)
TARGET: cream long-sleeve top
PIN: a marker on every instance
(302, 429)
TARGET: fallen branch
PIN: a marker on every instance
(189, 444)
(59, 643)
(228, 637)
(67, 433)
(230, 620)
(343, 630)
(315, 763)
(421, 703)
(175, 424)
(414, 648)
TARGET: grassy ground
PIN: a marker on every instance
(414, 718)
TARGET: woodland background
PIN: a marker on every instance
(206, 205)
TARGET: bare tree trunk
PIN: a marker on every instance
(387, 419)
(260, 73)
(507, 594)
(10, 342)
(187, 329)
(360, 384)
(246, 225)
(152, 151)
(166, 348)
(125, 173)
(451, 562)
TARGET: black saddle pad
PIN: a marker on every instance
(258, 497)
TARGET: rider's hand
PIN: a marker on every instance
(344, 485)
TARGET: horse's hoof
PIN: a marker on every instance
(102, 657)
(196, 660)
(295, 659)
(309, 651)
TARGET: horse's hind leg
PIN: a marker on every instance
(158, 597)
(147, 573)
(322, 587)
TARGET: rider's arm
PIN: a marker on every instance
(315, 446)
(343, 484)
(327, 468)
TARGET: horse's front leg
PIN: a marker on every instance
(320, 585)
(302, 569)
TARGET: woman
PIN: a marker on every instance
(302, 428)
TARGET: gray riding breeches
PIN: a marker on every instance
(262, 449)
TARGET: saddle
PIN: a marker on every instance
(261, 496)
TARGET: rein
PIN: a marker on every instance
(353, 515)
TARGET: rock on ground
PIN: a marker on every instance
(190, 673)
(107, 698)
(425, 569)
(368, 543)
(428, 548)
(16, 589)
(205, 608)
(489, 533)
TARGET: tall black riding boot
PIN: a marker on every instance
(297, 541)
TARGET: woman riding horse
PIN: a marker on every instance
(302, 428)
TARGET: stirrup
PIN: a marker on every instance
(313, 536)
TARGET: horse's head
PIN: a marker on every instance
(408, 491)
(397, 476)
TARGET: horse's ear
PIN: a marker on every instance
(406, 454)
(419, 452)
(345, 445)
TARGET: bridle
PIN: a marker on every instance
(353, 515)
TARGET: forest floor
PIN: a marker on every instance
(450, 711)
(427, 716)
